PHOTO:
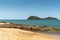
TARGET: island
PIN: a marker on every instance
(38, 18)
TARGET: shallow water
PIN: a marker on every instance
(55, 35)
(50, 23)
(52, 33)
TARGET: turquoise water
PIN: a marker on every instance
(50, 23)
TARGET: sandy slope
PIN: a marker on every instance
(17, 34)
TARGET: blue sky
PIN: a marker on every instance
(22, 9)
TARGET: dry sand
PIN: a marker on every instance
(17, 34)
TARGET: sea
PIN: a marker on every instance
(49, 23)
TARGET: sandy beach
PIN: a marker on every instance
(17, 34)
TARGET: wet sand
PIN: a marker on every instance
(17, 34)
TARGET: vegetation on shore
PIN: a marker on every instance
(29, 28)
(40, 28)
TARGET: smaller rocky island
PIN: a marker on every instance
(38, 18)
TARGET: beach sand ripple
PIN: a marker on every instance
(17, 34)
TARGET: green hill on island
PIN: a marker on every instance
(38, 18)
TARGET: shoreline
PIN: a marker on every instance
(29, 28)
